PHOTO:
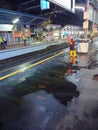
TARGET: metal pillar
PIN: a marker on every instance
(86, 9)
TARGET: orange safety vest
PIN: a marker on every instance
(69, 40)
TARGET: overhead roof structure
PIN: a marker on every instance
(29, 12)
(6, 16)
(56, 14)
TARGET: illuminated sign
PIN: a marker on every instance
(66, 4)
(85, 25)
(44, 4)
(85, 15)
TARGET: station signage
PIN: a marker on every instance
(44, 4)
(17, 34)
(85, 15)
(85, 25)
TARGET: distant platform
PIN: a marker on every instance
(9, 53)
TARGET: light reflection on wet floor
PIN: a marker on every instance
(45, 106)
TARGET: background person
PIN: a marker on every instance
(1, 43)
(91, 35)
(24, 40)
(4, 42)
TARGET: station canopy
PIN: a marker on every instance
(7, 17)
(29, 12)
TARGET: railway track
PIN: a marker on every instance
(11, 62)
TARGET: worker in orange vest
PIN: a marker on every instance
(71, 46)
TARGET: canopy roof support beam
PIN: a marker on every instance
(18, 13)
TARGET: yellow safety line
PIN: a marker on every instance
(28, 67)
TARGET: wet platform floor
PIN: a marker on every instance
(48, 98)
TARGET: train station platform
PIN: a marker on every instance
(84, 59)
(16, 50)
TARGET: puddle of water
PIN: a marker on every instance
(51, 81)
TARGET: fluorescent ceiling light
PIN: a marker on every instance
(15, 20)
(80, 8)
